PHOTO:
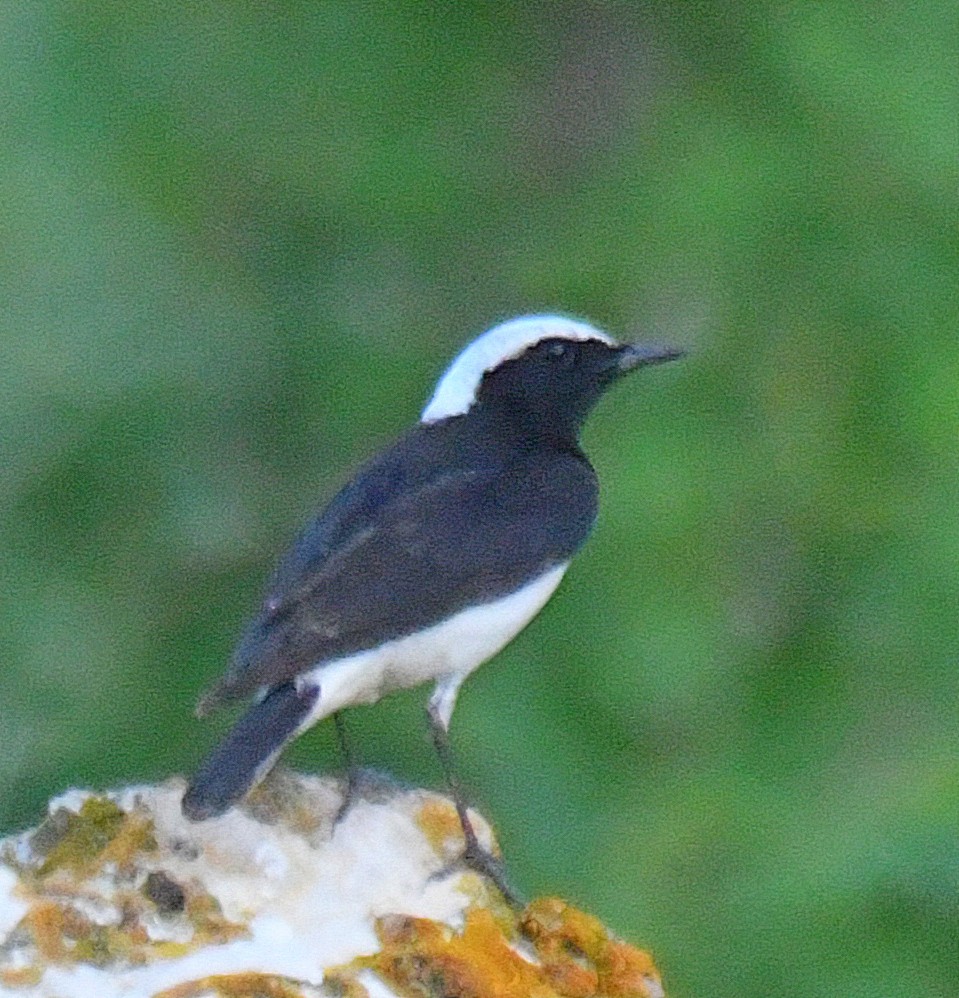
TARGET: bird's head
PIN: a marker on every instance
(548, 366)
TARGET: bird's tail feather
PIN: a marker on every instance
(248, 751)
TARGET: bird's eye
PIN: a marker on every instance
(556, 351)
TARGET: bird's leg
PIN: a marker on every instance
(343, 742)
(353, 776)
(476, 857)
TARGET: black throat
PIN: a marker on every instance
(544, 395)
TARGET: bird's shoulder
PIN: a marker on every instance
(418, 463)
(450, 485)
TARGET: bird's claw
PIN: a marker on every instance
(483, 862)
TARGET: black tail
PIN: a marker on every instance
(248, 751)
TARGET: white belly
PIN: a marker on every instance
(451, 649)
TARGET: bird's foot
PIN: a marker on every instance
(363, 783)
(483, 862)
(349, 798)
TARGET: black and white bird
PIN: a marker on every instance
(437, 553)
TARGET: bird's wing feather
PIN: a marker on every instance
(461, 538)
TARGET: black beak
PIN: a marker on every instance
(633, 355)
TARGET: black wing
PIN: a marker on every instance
(381, 563)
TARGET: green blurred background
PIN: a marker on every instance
(240, 241)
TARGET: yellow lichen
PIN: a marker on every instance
(85, 835)
(343, 984)
(100, 832)
(280, 799)
(95, 947)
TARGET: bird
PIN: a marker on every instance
(432, 558)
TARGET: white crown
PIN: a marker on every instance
(455, 392)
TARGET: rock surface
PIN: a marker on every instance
(118, 895)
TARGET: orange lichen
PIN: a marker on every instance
(62, 934)
(574, 946)
(439, 822)
(46, 923)
(626, 970)
(246, 985)
(96, 891)
(20, 977)
(87, 860)
(133, 837)
(426, 958)
(575, 957)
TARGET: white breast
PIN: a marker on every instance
(447, 652)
